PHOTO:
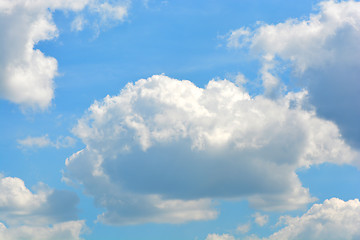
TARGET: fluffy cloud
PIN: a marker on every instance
(26, 74)
(324, 52)
(163, 149)
(334, 219)
(44, 141)
(18, 205)
(70, 230)
(260, 220)
(27, 215)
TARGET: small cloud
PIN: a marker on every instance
(240, 79)
(44, 141)
(238, 38)
(37, 142)
(78, 24)
(64, 142)
(108, 12)
(243, 228)
(260, 220)
(215, 236)
(20, 205)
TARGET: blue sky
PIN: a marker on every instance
(207, 120)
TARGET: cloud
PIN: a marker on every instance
(70, 230)
(163, 150)
(238, 38)
(109, 12)
(323, 52)
(78, 23)
(27, 74)
(19, 205)
(44, 141)
(243, 228)
(28, 215)
(219, 237)
(39, 142)
(260, 220)
(333, 219)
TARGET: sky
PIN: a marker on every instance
(203, 120)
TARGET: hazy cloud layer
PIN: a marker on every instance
(324, 52)
(163, 149)
(26, 74)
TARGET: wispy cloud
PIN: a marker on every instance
(44, 141)
(260, 220)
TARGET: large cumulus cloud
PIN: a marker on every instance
(164, 149)
(323, 51)
(26, 73)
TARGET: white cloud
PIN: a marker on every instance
(64, 142)
(44, 141)
(260, 220)
(238, 38)
(70, 230)
(324, 52)
(19, 205)
(27, 215)
(78, 23)
(334, 219)
(240, 79)
(109, 12)
(163, 149)
(219, 237)
(244, 228)
(40, 142)
(26, 74)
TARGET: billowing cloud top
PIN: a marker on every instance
(163, 148)
(333, 219)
